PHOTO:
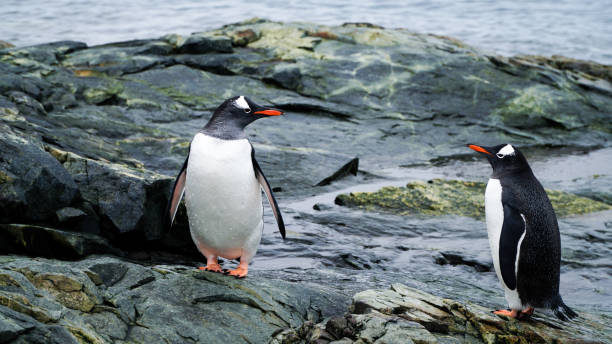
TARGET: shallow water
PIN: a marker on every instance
(569, 27)
(351, 250)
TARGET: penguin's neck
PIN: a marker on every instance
(224, 129)
(512, 171)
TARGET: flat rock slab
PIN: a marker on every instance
(107, 300)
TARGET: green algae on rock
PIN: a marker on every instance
(456, 197)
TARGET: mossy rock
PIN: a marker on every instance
(446, 197)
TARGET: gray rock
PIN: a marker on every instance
(109, 187)
(51, 242)
(26, 103)
(119, 118)
(5, 44)
(110, 273)
(408, 315)
(174, 304)
(13, 324)
(33, 185)
(69, 214)
(201, 43)
(350, 167)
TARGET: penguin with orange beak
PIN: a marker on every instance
(523, 235)
(222, 183)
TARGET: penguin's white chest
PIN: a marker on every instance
(223, 198)
(494, 212)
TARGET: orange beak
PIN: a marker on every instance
(269, 112)
(479, 149)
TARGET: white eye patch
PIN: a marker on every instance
(241, 103)
(505, 151)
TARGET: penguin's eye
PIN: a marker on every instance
(499, 155)
(247, 110)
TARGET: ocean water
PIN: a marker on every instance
(574, 28)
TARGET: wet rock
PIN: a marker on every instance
(321, 206)
(167, 302)
(34, 185)
(109, 273)
(439, 197)
(136, 104)
(407, 315)
(48, 334)
(21, 304)
(48, 242)
(70, 214)
(13, 324)
(350, 167)
(5, 44)
(241, 38)
(114, 59)
(119, 117)
(13, 82)
(591, 68)
(457, 258)
(447, 317)
(108, 187)
(26, 103)
(201, 43)
(8, 108)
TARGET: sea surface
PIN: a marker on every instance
(574, 28)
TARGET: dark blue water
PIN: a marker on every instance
(574, 28)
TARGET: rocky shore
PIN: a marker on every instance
(91, 138)
(407, 315)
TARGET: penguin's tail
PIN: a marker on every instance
(562, 311)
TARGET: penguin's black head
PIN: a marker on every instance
(243, 109)
(234, 114)
(504, 158)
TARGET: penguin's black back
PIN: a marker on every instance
(540, 251)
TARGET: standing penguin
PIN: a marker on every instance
(523, 235)
(222, 183)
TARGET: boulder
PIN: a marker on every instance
(33, 185)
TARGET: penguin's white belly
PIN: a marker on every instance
(223, 198)
(494, 212)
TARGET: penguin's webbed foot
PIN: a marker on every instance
(211, 267)
(512, 313)
(526, 313)
(239, 272)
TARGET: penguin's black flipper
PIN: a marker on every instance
(175, 197)
(268, 190)
(513, 228)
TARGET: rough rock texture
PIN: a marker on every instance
(118, 117)
(440, 197)
(92, 137)
(108, 300)
(407, 315)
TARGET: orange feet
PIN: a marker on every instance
(526, 313)
(513, 313)
(240, 272)
(211, 265)
(507, 312)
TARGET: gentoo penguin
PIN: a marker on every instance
(222, 183)
(523, 235)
